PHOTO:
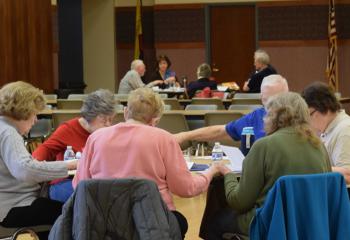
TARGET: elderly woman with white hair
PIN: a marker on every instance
(290, 147)
(137, 148)
(262, 69)
(132, 79)
(98, 111)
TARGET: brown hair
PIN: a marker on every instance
(20, 100)
(289, 110)
(163, 58)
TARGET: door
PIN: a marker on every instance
(232, 42)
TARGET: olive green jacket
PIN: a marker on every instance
(284, 152)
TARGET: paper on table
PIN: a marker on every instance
(189, 165)
(235, 156)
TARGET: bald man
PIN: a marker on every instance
(271, 85)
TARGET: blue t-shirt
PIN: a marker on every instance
(253, 119)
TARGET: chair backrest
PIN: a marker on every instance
(69, 103)
(247, 96)
(174, 103)
(208, 101)
(245, 101)
(42, 128)
(201, 107)
(58, 118)
(77, 96)
(119, 107)
(314, 206)
(222, 118)
(244, 107)
(163, 95)
(121, 96)
(175, 123)
(167, 107)
(51, 96)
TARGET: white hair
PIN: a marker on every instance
(275, 80)
(262, 57)
(136, 63)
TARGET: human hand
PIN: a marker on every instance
(71, 164)
(221, 167)
(170, 80)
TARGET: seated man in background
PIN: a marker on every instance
(203, 81)
(97, 111)
(263, 69)
(332, 125)
(271, 85)
(136, 148)
(132, 79)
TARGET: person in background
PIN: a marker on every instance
(20, 173)
(271, 85)
(132, 79)
(98, 111)
(203, 80)
(164, 73)
(263, 69)
(124, 151)
(290, 148)
(331, 123)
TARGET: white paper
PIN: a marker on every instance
(235, 157)
(189, 165)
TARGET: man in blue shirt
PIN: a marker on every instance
(270, 86)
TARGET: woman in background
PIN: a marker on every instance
(98, 111)
(164, 73)
(136, 148)
(203, 80)
(20, 173)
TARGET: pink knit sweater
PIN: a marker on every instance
(135, 150)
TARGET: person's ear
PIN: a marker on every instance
(155, 121)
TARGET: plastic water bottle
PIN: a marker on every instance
(78, 155)
(247, 139)
(69, 154)
(217, 153)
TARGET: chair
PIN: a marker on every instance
(175, 123)
(163, 95)
(222, 118)
(119, 107)
(251, 107)
(208, 101)
(247, 96)
(121, 96)
(27, 233)
(198, 123)
(51, 96)
(167, 107)
(41, 129)
(69, 104)
(60, 117)
(245, 101)
(174, 103)
(314, 206)
(77, 96)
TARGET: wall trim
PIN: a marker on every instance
(300, 43)
(299, 3)
(178, 6)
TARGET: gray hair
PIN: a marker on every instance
(204, 71)
(274, 80)
(262, 57)
(289, 110)
(100, 102)
(136, 63)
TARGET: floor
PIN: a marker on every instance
(192, 209)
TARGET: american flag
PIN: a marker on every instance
(332, 64)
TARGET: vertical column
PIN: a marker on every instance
(99, 44)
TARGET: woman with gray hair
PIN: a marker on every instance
(290, 147)
(98, 111)
(203, 80)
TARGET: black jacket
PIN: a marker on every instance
(115, 209)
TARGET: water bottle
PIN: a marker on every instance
(247, 139)
(78, 155)
(217, 153)
(69, 154)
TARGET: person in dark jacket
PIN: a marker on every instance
(203, 81)
(263, 69)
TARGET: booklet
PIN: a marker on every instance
(235, 157)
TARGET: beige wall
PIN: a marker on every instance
(99, 44)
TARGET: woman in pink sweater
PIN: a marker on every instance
(138, 149)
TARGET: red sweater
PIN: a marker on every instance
(70, 133)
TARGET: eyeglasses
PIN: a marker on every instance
(311, 113)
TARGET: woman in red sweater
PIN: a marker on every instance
(97, 111)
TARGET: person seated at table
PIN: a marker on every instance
(125, 150)
(263, 69)
(20, 174)
(97, 111)
(290, 148)
(332, 125)
(270, 86)
(164, 73)
(203, 80)
(132, 79)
